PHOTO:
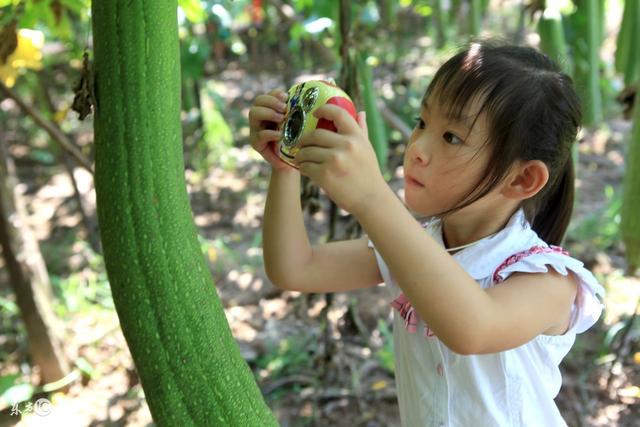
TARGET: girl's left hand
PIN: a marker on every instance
(342, 163)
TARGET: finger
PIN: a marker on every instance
(312, 170)
(265, 136)
(312, 155)
(322, 138)
(270, 154)
(340, 118)
(257, 115)
(281, 94)
(271, 101)
(362, 122)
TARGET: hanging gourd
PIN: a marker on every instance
(189, 364)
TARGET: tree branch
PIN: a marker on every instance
(394, 121)
(51, 128)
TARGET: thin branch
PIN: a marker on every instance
(50, 127)
(394, 121)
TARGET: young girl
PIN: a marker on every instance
(485, 304)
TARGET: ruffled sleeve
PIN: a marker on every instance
(587, 306)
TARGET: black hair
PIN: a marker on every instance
(533, 113)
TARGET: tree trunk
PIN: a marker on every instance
(552, 40)
(587, 63)
(629, 218)
(475, 18)
(440, 20)
(29, 279)
(626, 43)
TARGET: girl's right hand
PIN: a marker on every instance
(265, 117)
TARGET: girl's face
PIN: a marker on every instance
(444, 159)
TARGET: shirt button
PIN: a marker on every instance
(440, 371)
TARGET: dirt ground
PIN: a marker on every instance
(327, 376)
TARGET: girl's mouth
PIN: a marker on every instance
(412, 182)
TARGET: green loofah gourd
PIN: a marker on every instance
(188, 361)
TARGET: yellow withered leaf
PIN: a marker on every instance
(28, 54)
(213, 254)
(379, 385)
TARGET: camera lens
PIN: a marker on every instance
(293, 127)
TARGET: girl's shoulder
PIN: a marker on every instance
(541, 258)
(518, 249)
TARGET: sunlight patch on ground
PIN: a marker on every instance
(243, 280)
(207, 219)
(276, 307)
(622, 296)
(239, 319)
(251, 213)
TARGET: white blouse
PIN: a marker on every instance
(438, 387)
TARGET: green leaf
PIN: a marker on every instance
(63, 30)
(386, 355)
(296, 33)
(193, 55)
(77, 6)
(424, 10)
(4, 3)
(6, 382)
(218, 137)
(43, 156)
(611, 334)
(85, 367)
(17, 393)
(326, 9)
(193, 10)
(35, 13)
(8, 308)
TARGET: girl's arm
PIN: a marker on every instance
(467, 318)
(292, 263)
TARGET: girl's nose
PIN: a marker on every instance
(421, 157)
(417, 153)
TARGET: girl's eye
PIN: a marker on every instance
(451, 138)
(420, 124)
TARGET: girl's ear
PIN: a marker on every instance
(525, 180)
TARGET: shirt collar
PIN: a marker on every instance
(480, 260)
